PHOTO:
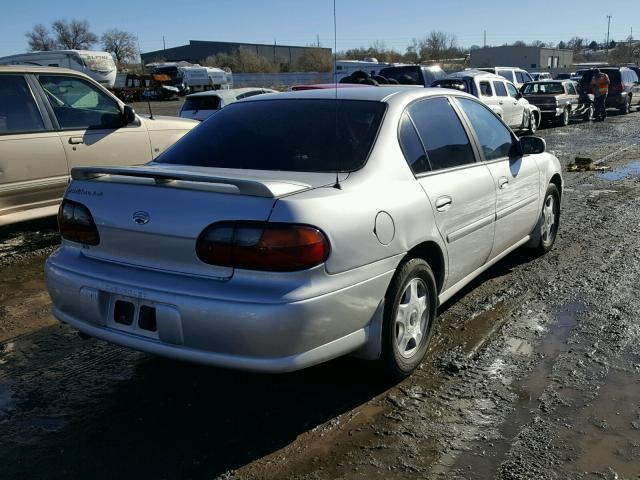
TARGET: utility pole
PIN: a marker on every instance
(485, 39)
(318, 37)
(164, 44)
(608, 27)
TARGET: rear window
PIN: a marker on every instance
(302, 135)
(543, 88)
(454, 84)
(202, 103)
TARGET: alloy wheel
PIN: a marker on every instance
(411, 318)
(549, 213)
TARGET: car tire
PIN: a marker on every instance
(409, 317)
(588, 116)
(547, 226)
(627, 107)
(563, 121)
(533, 124)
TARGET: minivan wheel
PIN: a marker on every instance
(627, 107)
(409, 317)
(588, 116)
(549, 219)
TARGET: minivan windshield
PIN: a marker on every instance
(304, 135)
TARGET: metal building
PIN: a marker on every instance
(198, 50)
(529, 58)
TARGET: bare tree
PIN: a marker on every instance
(74, 35)
(315, 60)
(121, 44)
(40, 39)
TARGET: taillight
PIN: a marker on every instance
(76, 223)
(276, 247)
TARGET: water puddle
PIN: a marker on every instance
(631, 169)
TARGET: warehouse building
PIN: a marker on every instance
(529, 58)
(198, 50)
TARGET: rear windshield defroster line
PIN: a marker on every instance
(303, 135)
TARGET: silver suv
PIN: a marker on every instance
(515, 75)
(54, 119)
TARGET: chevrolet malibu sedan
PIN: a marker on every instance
(270, 240)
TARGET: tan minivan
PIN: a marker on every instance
(54, 119)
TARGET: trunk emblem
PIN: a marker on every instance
(141, 218)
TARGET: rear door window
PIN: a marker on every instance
(442, 133)
(501, 91)
(18, 110)
(283, 135)
(412, 147)
(513, 91)
(485, 89)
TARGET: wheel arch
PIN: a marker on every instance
(431, 253)
(556, 179)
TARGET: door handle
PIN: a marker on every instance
(501, 103)
(503, 182)
(75, 140)
(443, 203)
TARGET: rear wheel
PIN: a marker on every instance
(409, 317)
(533, 123)
(627, 107)
(564, 118)
(588, 115)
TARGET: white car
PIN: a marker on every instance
(200, 106)
(502, 96)
(515, 75)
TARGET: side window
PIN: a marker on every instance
(78, 104)
(442, 133)
(527, 77)
(508, 74)
(412, 146)
(513, 91)
(501, 91)
(571, 89)
(18, 109)
(485, 89)
(495, 139)
(520, 77)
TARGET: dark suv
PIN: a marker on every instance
(624, 87)
(414, 74)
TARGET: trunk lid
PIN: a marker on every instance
(150, 217)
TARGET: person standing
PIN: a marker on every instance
(600, 86)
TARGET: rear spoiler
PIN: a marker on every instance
(188, 180)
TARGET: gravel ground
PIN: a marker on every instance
(534, 372)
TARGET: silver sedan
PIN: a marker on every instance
(292, 229)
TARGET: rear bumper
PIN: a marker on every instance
(215, 328)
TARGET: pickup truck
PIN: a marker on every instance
(414, 74)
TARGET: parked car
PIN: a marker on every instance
(200, 106)
(413, 74)
(53, 119)
(256, 264)
(515, 75)
(624, 87)
(558, 100)
(563, 76)
(500, 95)
(540, 76)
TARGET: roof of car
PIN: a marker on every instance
(34, 69)
(472, 74)
(374, 94)
(227, 93)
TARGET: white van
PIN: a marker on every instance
(97, 65)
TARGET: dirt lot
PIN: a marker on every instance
(534, 372)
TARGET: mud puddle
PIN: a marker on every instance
(485, 458)
(628, 170)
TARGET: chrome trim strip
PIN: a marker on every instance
(468, 229)
(35, 184)
(516, 206)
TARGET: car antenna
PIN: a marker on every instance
(335, 79)
(150, 111)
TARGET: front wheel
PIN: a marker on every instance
(588, 115)
(409, 317)
(627, 107)
(549, 219)
(564, 118)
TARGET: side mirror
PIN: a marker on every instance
(519, 95)
(532, 145)
(129, 114)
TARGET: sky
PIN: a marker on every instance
(359, 22)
